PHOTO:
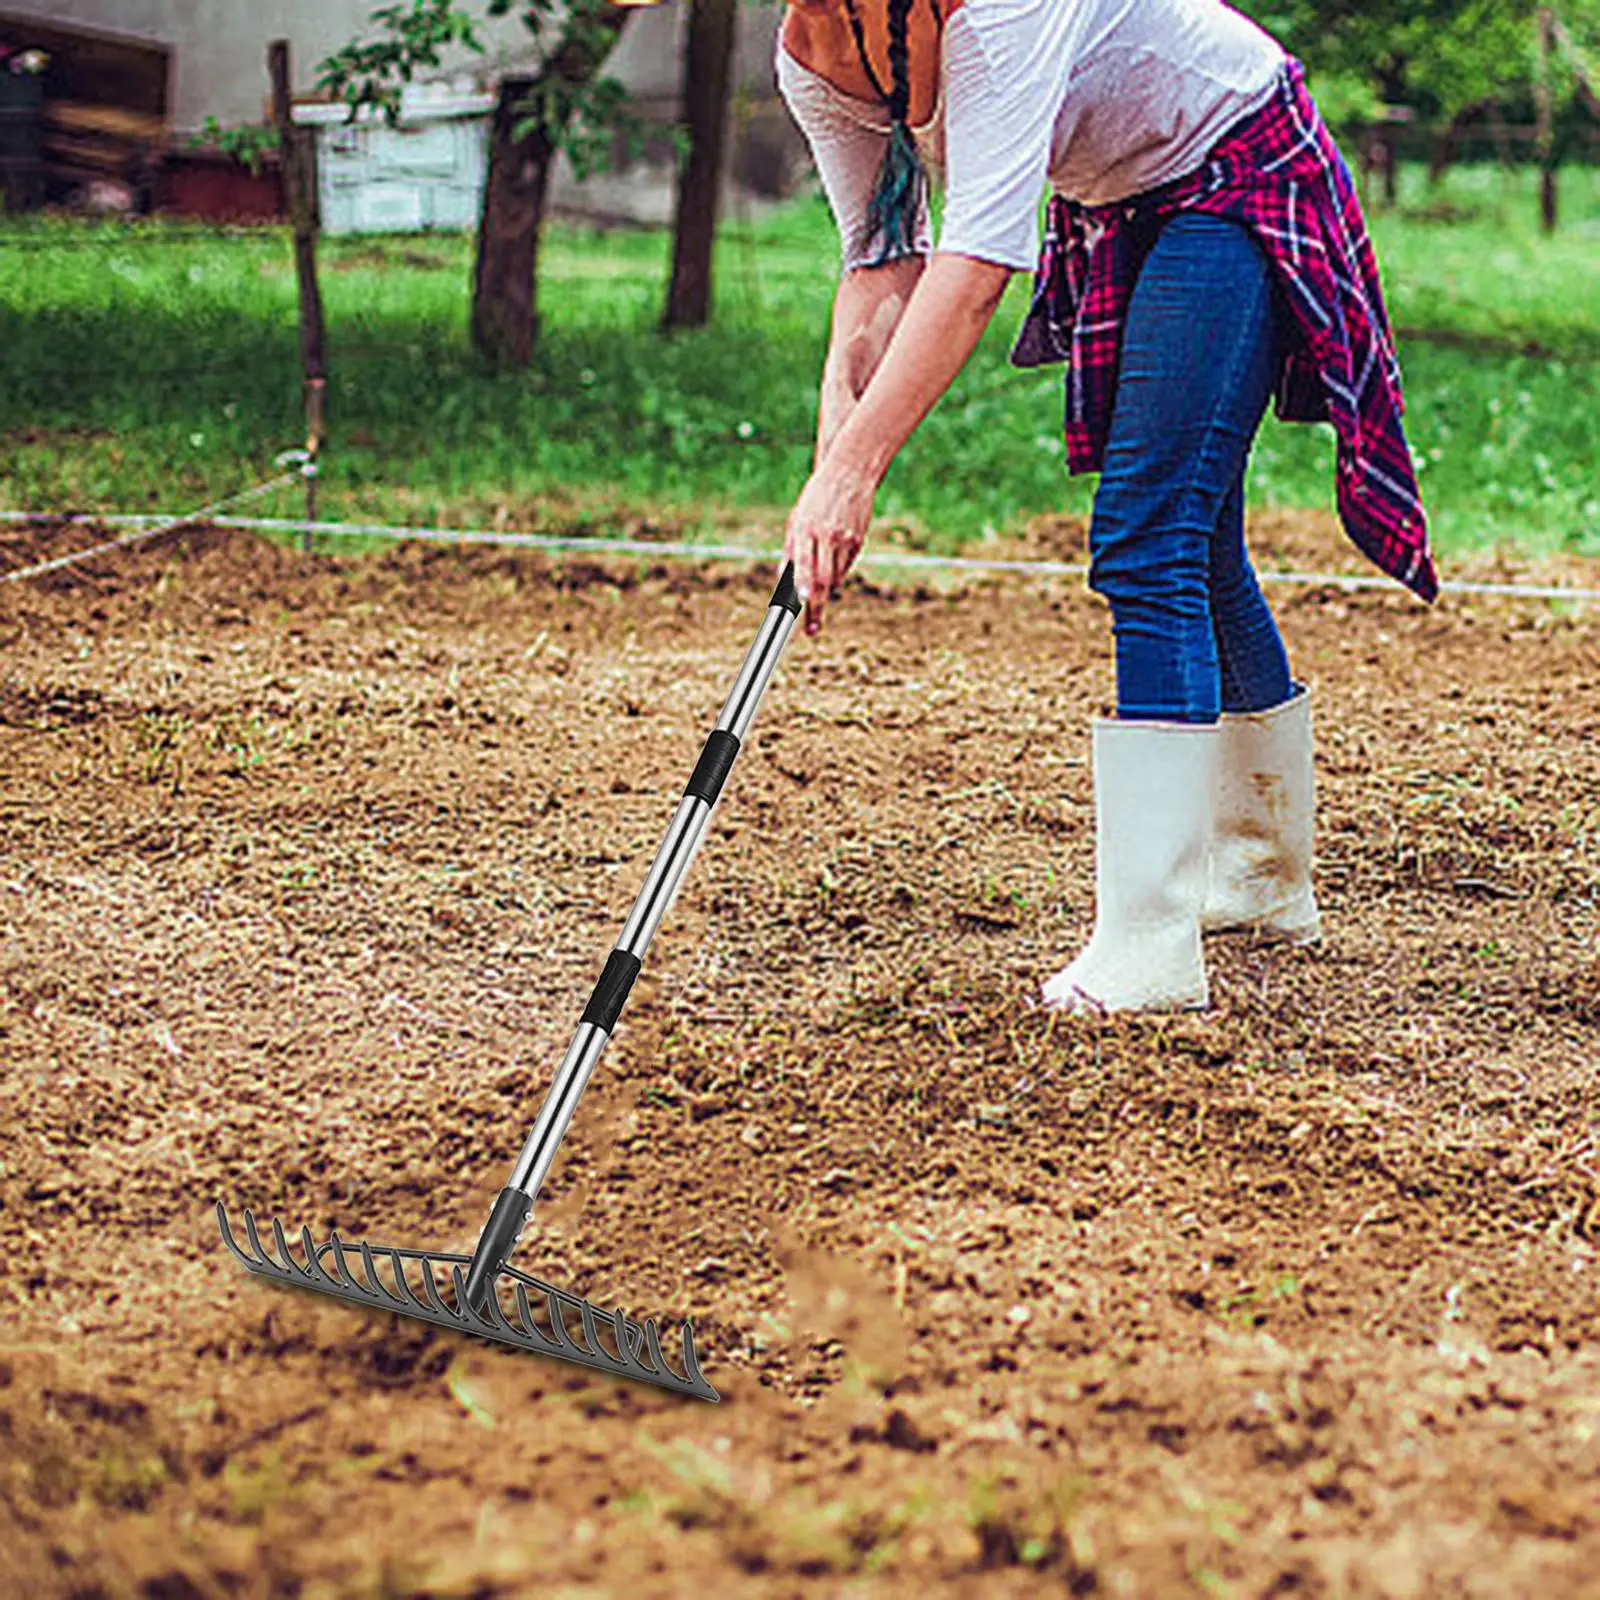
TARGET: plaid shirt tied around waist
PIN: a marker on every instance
(1279, 173)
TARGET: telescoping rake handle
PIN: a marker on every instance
(661, 885)
(483, 1295)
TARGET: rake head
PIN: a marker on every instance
(542, 1319)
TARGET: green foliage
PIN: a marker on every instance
(613, 424)
(249, 143)
(591, 121)
(414, 38)
(571, 104)
(1434, 55)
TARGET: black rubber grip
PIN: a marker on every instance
(611, 992)
(786, 595)
(712, 769)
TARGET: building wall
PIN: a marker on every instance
(220, 46)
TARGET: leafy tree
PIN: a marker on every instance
(1451, 60)
(1436, 56)
(566, 104)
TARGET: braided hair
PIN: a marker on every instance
(902, 180)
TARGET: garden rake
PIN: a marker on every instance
(481, 1293)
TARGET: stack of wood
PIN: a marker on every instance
(86, 142)
(105, 102)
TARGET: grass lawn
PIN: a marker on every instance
(158, 367)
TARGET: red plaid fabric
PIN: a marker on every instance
(1279, 173)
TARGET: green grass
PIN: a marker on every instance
(161, 369)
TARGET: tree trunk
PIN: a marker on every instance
(505, 318)
(706, 82)
(505, 315)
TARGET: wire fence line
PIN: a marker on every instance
(148, 528)
(153, 525)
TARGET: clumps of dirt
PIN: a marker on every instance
(308, 864)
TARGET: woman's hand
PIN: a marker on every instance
(953, 301)
(826, 531)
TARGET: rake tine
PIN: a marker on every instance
(691, 1365)
(652, 1341)
(503, 1318)
(628, 1344)
(378, 1285)
(557, 1322)
(341, 1267)
(432, 1288)
(591, 1335)
(403, 1283)
(280, 1239)
(529, 1327)
(314, 1267)
(227, 1234)
(465, 1313)
(263, 1258)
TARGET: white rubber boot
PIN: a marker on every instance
(1154, 784)
(1260, 871)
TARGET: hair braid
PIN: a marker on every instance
(902, 183)
(899, 60)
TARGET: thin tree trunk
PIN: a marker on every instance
(505, 314)
(505, 317)
(706, 81)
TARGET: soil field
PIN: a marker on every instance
(307, 867)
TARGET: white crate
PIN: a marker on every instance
(426, 172)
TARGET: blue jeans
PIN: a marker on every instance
(1201, 354)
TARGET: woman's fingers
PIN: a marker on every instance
(825, 533)
(821, 580)
(802, 547)
(797, 550)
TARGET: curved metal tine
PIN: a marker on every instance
(691, 1362)
(263, 1256)
(496, 1312)
(630, 1337)
(341, 1267)
(653, 1356)
(531, 1329)
(227, 1234)
(433, 1289)
(314, 1267)
(291, 1266)
(597, 1349)
(553, 1298)
(379, 1287)
(411, 1300)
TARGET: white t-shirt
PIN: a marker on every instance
(1101, 99)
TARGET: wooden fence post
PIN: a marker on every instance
(1544, 111)
(299, 178)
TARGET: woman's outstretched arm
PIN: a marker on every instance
(952, 304)
(866, 311)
